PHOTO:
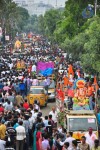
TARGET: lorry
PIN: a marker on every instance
(80, 121)
(79, 118)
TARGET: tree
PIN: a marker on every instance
(51, 18)
(91, 55)
(22, 17)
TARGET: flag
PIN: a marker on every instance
(95, 83)
(70, 70)
(60, 95)
(47, 72)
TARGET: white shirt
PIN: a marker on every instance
(31, 121)
(69, 140)
(10, 66)
(35, 115)
(20, 133)
(34, 68)
(2, 144)
(18, 110)
(54, 116)
(90, 139)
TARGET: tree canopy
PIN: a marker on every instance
(76, 35)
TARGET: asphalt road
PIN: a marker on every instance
(46, 110)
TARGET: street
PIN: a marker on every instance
(46, 110)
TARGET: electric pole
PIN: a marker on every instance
(95, 7)
(56, 3)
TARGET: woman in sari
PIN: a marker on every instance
(37, 144)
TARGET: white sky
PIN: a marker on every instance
(53, 2)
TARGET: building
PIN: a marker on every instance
(21, 3)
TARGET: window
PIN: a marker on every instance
(37, 91)
(82, 124)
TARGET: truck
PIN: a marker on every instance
(80, 121)
(79, 118)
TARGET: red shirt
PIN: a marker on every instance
(26, 105)
(1, 109)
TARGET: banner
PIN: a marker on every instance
(47, 72)
(45, 65)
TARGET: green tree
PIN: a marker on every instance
(51, 18)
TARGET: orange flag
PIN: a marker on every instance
(70, 70)
(60, 94)
(65, 81)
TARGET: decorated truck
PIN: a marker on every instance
(80, 121)
(79, 118)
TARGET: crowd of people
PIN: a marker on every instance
(22, 125)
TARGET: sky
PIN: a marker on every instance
(53, 2)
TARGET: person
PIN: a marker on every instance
(96, 145)
(90, 92)
(35, 81)
(65, 146)
(34, 68)
(31, 122)
(37, 142)
(2, 144)
(1, 108)
(45, 142)
(11, 133)
(9, 106)
(26, 124)
(49, 129)
(22, 88)
(11, 98)
(46, 121)
(98, 119)
(90, 137)
(26, 105)
(2, 130)
(20, 136)
(54, 115)
(83, 145)
(69, 139)
(75, 145)
(46, 83)
(19, 99)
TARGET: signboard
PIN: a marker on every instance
(0, 31)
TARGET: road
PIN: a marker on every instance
(46, 110)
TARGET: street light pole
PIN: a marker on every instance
(95, 7)
(56, 3)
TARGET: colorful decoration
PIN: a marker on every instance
(17, 44)
(80, 100)
(20, 64)
(80, 83)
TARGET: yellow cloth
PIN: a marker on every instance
(2, 131)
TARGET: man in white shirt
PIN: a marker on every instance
(31, 120)
(90, 137)
(54, 115)
(69, 139)
(20, 136)
(34, 68)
